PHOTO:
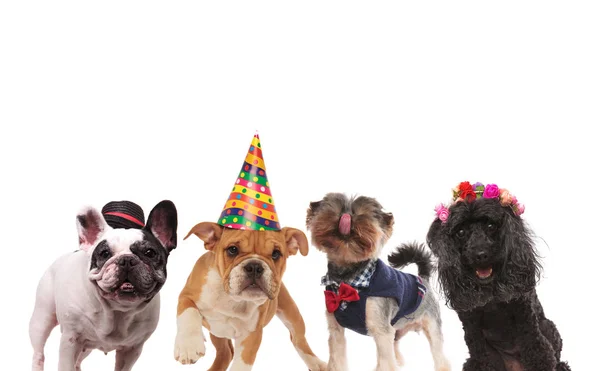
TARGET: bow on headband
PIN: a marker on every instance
(345, 293)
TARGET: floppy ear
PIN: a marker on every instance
(436, 239)
(90, 226)
(162, 223)
(295, 240)
(519, 247)
(312, 209)
(208, 232)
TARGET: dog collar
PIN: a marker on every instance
(361, 280)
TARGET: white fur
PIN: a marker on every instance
(189, 342)
(228, 316)
(337, 345)
(67, 296)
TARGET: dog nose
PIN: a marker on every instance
(481, 256)
(254, 270)
(128, 260)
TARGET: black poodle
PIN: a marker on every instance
(488, 270)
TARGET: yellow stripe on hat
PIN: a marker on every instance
(256, 142)
(265, 214)
(256, 161)
(258, 196)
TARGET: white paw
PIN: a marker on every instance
(318, 365)
(189, 347)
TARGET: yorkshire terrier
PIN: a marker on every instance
(363, 293)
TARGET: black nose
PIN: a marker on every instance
(481, 256)
(128, 260)
(254, 270)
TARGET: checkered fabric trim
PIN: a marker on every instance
(360, 281)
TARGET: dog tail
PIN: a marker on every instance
(413, 252)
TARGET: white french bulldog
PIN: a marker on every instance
(105, 295)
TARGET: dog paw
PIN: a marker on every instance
(318, 366)
(189, 347)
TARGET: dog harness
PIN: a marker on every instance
(347, 300)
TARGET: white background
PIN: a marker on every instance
(149, 101)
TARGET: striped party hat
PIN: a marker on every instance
(250, 204)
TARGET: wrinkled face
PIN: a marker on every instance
(128, 265)
(484, 253)
(348, 230)
(251, 263)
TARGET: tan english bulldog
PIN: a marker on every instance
(234, 290)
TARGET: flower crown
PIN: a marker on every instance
(468, 192)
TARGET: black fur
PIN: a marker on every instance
(504, 323)
(412, 253)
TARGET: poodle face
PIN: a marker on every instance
(484, 252)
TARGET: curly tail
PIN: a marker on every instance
(413, 252)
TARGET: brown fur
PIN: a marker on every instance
(251, 245)
(371, 227)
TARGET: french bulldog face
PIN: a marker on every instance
(251, 263)
(128, 266)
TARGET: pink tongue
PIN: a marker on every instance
(345, 224)
(484, 273)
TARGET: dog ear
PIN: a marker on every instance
(295, 240)
(436, 239)
(312, 209)
(208, 232)
(520, 250)
(162, 223)
(90, 226)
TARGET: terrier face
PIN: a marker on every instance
(348, 230)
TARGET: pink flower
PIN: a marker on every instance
(491, 191)
(505, 197)
(442, 212)
(520, 209)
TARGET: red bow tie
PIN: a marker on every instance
(345, 293)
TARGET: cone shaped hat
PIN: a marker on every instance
(250, 204)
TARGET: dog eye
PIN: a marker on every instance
(460, 233)
(491, 227)
(232, 251)
(276, 254)
(105, 254)
(150, 253)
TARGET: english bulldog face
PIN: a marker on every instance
(251, 263)
(128, 266)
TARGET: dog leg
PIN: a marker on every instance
(126, 358)
(69, 351)
(399, 357)
(288, 313)
(43, 320)
(538, 353)
(84, 353)
(224, 356)
(379, 327)
(433, 332)
(189, 342)
(337, 345)
(479, 357)
(563, 366)
(245, 351)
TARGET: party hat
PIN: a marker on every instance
(250, 204)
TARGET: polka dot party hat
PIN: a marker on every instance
(250, 204)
